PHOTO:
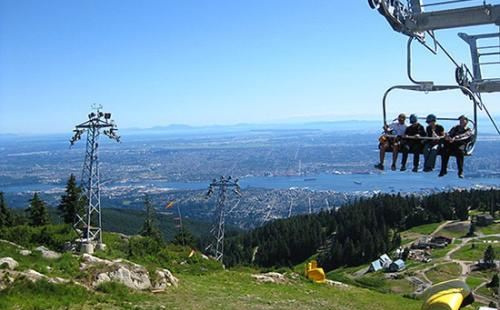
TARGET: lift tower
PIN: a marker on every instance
(221, 185)
(88, 225)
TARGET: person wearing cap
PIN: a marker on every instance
(398, 129)
(431, 147)
(454, 145)
(412, 143)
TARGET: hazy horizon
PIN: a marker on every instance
(223, 62)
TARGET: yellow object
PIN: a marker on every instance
(315, 273)
(170, 204)
(446, 300)
(449, 295)
(191, 253)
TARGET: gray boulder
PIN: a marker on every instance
(9, 262)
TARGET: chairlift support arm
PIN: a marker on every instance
(454, 18)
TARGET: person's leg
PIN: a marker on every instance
(427, 153)
(445, 157)
(432, 158)
(382, 147)
(395, 151)
(460, 162)
(405, 149)
(416, 155)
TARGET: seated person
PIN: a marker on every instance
(454, 144)
(412, 145)
(432, 147)
(397, 128)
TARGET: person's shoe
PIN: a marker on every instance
(379, 166)
(442, 173)
(461, 175)
(427, 169)
(403, 168)
(415, 169)
(393, 167)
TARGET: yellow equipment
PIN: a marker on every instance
(315, 273)
(449, 295)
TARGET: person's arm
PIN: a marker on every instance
(467, 134)
(421, 131)
(440, 131)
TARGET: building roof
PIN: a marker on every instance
(376, 265)
(400, 263)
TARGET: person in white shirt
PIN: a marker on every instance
(387, 143)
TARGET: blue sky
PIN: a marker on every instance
(204, 62)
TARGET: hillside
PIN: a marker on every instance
(202, 285)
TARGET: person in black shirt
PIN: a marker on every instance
(455, 143)
(431, 147)
(415, 130)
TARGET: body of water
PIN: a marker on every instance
(385, 182)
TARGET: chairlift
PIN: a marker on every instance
(471, 141)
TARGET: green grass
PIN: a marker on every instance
(207, 292)
(486, 292)
(65, 266)
(454, 230)
(24, 294)
(474, 282)
(426, 229)
(490, 230)
(443, 272)
(474, 254)
(414, 233)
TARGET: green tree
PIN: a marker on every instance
(489, 256)
(72, 202)
(150, 228)
(37, 212)
(494, 282)
(5, 215)
(184, 237)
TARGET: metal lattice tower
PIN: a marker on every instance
(88, 225)
(221, 186)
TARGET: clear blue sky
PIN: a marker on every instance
(206, 62)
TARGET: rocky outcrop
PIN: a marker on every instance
(129, 274)
(8, 262)
(46, 253)
(270, 277)
(25, 252)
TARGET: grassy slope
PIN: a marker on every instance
(214, 289)
(220, 290)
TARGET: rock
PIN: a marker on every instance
(270, 277)
(9, 262)
(129, 274)
(336, 283)
(134, 279)
(102, 278)
(164, 279)
(25, 252)
(92, 260)
(33, 275)
(204, 257)
(46, 253)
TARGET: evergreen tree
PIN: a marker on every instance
(72, 202)
(185, 237)
(150, 228)
(37, 212)
(489, 256)
(5, 215)
(494, 284)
